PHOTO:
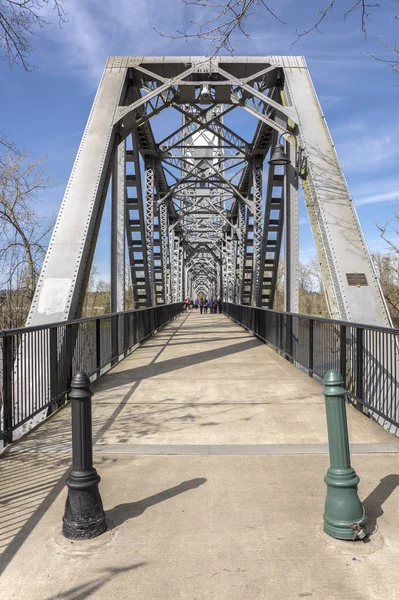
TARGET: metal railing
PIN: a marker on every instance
(37, 363)
(367, 356)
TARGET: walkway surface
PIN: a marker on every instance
(212, 452)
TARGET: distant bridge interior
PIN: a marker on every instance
(202, 159)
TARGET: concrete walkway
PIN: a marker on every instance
(212, 451)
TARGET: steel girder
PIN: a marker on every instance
(118, 218)
(135, 227)
(202, 221)
(272, 233)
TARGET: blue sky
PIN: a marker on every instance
(46, 110)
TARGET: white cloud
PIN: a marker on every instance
(376, 191)
(367, 148)
(95, 31)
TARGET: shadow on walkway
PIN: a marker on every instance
(32, 472)
(374, 501)
(85, 590)
(123, 512)
(173, 364)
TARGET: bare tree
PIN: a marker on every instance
(23, 232)
(387, 229)
(19, 20)
(387, 266)
(393, 62)
(311, 297)
(279, 293)
(129, 290)
(362, 5)
(222, 18)
(97, 300)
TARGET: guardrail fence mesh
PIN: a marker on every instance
(37, 363)
(366, 356)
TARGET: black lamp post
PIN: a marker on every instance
(84, 516)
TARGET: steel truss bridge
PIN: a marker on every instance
(201, 160)
(196, 206)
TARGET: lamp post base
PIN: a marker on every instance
(344, 516)
(84, 516)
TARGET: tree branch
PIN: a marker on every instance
(225, 18)
(18, 22)
(323, 13)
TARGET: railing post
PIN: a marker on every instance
(310, 349)
(359, 366)
(70, 337)
(344, 516)
(8, 369)
(98, 345)
(54, 381)
(280, 331)
(114, 339)
(342, 353)
(84, 517)
(290, 337)
(122, 326)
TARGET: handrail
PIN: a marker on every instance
(4, 332)
(367, 356)
(37, 362)
(326, 319)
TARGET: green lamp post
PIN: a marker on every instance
(344, 516)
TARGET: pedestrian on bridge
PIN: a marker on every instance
(201, 305)
(205, 304)
(211, 306)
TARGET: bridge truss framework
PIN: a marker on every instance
(200, 211)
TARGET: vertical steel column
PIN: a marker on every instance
(171, 238)
(257, 239)
(175, 244)
(224, 268)
(163, 216)
(242, 250)
(118, 230)
(135, 227)
(272, 233)
(63, 279)
(220, 278)
(333, 218)
(183, 270)
(291, 237)
(230, 258)
(180, 273)
(149, 208)
(235, 250)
